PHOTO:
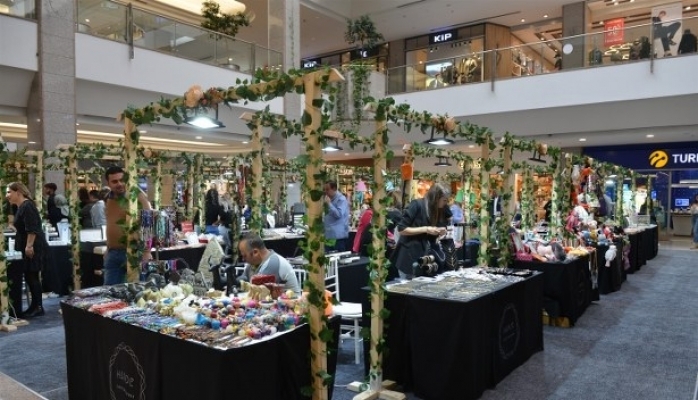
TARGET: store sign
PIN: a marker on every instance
(648, 158)
(362, 53)
(614, 32)
(307, 64)
(443, 37)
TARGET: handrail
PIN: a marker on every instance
(143, 28)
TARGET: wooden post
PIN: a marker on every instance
(556, 219)
(71, 189)
(189, 192)
(157, 185)
(130, 165)
(4, 299)
(528, 208)
(39, 181)
(619, 199)
(483, 256)
(376, 384)
(198, 170)
(257, 179)
(314, 206)
(508, 208)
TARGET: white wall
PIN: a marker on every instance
(101, 60)
(18, 43)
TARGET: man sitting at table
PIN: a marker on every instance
(262, 261)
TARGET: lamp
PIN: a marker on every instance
(438, 141)
(443, 162)
(332, 147)
(540, 150)
(203, 121)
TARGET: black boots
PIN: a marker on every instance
(37, 312)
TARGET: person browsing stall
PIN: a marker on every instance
(116, 207)
(261, 261)
(31, 241)
(422, 223)
(336, 218)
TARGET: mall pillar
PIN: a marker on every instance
(575, 19)
(51, 104)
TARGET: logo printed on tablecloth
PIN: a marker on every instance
(509, 331)
(126, 376)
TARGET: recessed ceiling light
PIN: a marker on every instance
(31, 142)
(77, 124)
(523, 19)
(143, 131)
(87, 20)
(545, 16)
(346, 154)
(582, 139)
(199, 137)
(470, 146)
(650, 135)
(688, 8)
(245, 142)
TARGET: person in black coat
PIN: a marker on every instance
(422, 223)
(688, 43)
(31, 242)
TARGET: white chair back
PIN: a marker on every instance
(332, 276)
(301, 276)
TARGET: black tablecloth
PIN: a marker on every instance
(107, 359)
(610, 278)
(653, 240)
(444, 349)
(57, 274)
(567, 286)
(634, 256)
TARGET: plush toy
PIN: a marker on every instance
(255, 292)
(610, 254)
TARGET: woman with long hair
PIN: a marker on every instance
(422, 223)
(30, 241)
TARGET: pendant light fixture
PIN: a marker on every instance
(443, 162)
(332, 147)
(202, 120)
(438, 141)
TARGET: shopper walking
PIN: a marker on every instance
(30, 240)
(336, 219)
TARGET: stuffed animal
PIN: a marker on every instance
(255, 292)
(610, 254)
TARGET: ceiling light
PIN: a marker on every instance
(536, 157)
(650, 135)
(31, 142)
(443, 162)
(523, 20)
(438, 141)
(545, 16)
(227, 6)
(470, 146)
(204, 121)
(688, 8)
(198, 137)
(87, 20)
(331, 148)
(346, 154)
(245, 142)
(582, 139)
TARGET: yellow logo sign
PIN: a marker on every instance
(659, 159)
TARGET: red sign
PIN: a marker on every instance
(614, 32)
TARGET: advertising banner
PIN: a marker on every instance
(666, 29)
(614, 32)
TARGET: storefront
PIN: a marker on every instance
(673, 169)
(376, 57)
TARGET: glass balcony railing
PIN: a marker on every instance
(18, 8)
(147, 30)
(609, 47)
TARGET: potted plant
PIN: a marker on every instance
(363, 30)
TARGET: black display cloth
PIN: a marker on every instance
(446, 349)
(109, 359)
(567, 287)
(57, 273)
(290, 247)
(634, 239)
(15, 275)
(610, 278)
(653, 237)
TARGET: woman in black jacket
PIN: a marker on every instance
(422, 223)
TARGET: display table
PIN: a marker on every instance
(610, 278)
(57, 275)
(447, 349)
(683, 225)
(107, 359)
(567, 287)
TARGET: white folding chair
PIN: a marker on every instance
(301, 276)
(349, 312)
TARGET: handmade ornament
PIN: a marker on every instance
(255, 292)
(610, 254)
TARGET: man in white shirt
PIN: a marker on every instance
(262, 261)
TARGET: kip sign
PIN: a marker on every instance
(442, 37)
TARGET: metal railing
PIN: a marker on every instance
(611, 47)
(147, 30)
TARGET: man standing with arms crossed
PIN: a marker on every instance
(336, 219)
